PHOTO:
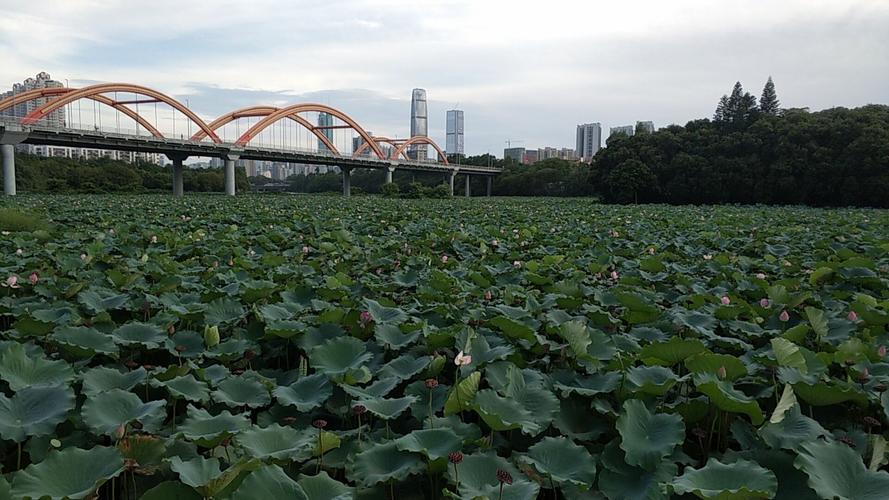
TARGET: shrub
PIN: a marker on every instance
(13, 219)
(390, 190)
(439, 191)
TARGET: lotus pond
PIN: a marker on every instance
(329, 348)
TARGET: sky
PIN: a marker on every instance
(525, 72)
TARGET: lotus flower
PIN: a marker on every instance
(881, 351)
(365, 318)
(19, 252)
(211, 335)
(725, 300)
(784, 316)
(305, 250)
(462, 360)
(707, 256)
(33, 278)
(516, 263)
(444, 259)
(760, 276)
(614, 275)
(721, 372)
(852, 316)
(494, 243)
(12, 282)
(488, 295)
(154, 239)
(764, 303)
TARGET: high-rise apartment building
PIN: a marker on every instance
(589, 141)
(454, 136)
(325, 120)
(419, 123)
(627, 130)
(41, 81)
(517, 154)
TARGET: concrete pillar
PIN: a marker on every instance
(488, 188)
(467, 186)
(178, 168)
(8, 153)
(229, 177)
(347, 181)
(451, 181)
(389, 171)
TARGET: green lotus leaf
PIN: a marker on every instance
(278, 443)
(818, 320)
(739, 480)
(390, 408)
(575, 420)
(521, 329)
(187, 387)
(205, 475)
(136, 333)
(285, 328)
(305, 394)
(654, 380)
(477, 475)
(391, 336)
(206, 429)
(20, 370)
(577, 335)
(789, 354)
(269, 482)
(85, 342)
(385, 315)
(100, 379)
(504, 413)
(34, 411)
(706, 362)
(830, 393)
(618, 480)
(433, 443)
(71, 473)
(647, 438)
(787, 401)
(794, 430)
(322, 487)
(242, 391)
(146, 452)
(590, 385)
(836, 471)
(99, 300)
(727, 398)
(462, 394)
(377, 389)
(339, 355)
(186, 344)
(420, 407)
(404, 367)
(326, 442)
(383, 462)
(223, 310)
(171, 490)
(105, 412)
(671, 352)
(563, 461)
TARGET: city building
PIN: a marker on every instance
(454, 135)
(627, 130)
(419, 124)
(517, 154)
(531, 156)
(645, 126)
(589, 141)
(325, 120)
(41, 81)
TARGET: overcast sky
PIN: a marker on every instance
(520, 70)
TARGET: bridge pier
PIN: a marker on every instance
(389, 171)
(451, 178)
(467, 186)
(178, 167)
(8, 152)
(347, 181)
(488, 187)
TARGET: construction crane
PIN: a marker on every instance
(510, 141)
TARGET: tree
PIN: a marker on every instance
(721, 108)
(629, 179)
(768, 102)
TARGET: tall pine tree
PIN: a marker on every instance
(719, 115)
(768, 103)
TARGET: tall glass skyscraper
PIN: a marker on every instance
(454, 143)
(325, 120)
(419, 123)
(589, 141)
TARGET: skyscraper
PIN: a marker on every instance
(645, 126)
(589, 141)
(627, 130)
(41, 81)
(325, 120)
(419, 123)
(454, 137)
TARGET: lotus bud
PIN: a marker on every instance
(881, 351)
(488, 295)
(211, 335)
(852, 316)
(721, 372)
(764, 303)
(120, 432)
(784, 316)
(431, 383)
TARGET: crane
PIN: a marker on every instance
(510, 141)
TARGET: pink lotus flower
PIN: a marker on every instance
(852, 316)
(764, 303)
(487, 295)
(494, 243)
(614, 275)
(784, 316)
(365, 318)
(721, 372)
(725, 300)
(881, 351)
(12, 282)
(760, 276)
(462, 360)
(33, 278)
(444, 259)
(305, 250)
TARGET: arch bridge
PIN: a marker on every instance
(153, 122)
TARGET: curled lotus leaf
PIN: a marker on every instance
(70, 473)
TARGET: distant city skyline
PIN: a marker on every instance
(612, 63)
